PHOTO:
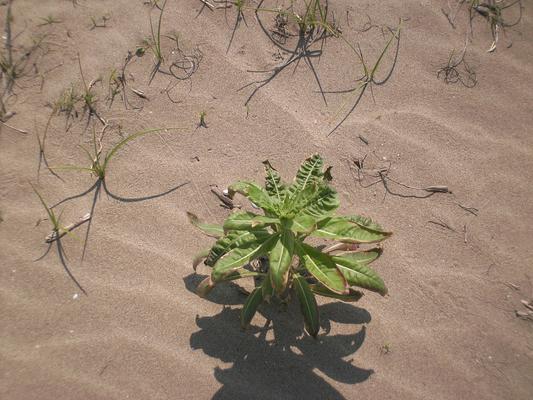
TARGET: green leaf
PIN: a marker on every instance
(239, 274)
(309, 172)
(304, 223)
(49, 211)
(230, 241)
(362, 256)
(244, 220)
(255, 193)
(344, 229)
(253, 301)
(307, 305)
(353, 295)
(273, 183)
(280, 259)
(127, 139)
(209, 229)
(242, 254)
(322, 204)
(266, 288)
(357, 273)
(322, 267)
(366, 223)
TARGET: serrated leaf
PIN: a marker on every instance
(280, 258)
(353, 295)
(307, 305)
(309, 172)
(209, 229)
(249, 309)
(231, 240)
(242, 254)
(359, 274)
(366, 223)
(321, 204)
(255, 193)
(244, 220)
(322, 267)
(273, 183)
(344, 229)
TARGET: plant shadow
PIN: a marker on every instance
(277, 360)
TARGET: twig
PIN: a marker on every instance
(15, 129)
(55, 235)
(227, 202)
(442, 224)
(208, 4)
(471, 210)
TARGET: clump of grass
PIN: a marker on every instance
(368, 78)
(98, 167)
(14, 63)
(66, 105)
(491, 10)
(314, 26)
(153, 43)
(457, 69)
(89, 97)
(240, 5)
(99, 163)
(58, 231)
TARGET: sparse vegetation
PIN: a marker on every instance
(293, 213)
(368, 78)
(457, 69)
(153, 43)
(14, 63)
(57, 232)
(202, 122)
(491, 10)
(49, 20)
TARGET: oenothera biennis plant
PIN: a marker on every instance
(293, 213)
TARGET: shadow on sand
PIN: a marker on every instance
(276, 361)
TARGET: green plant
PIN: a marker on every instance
(154, 42)
(293, 213)
(52, 217)
(58, 231)
(100, 163)
(202, 122)
(15, 62)
(98, 168)
(89, 97)
(313, 27)
(368, 78)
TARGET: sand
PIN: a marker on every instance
(447, 329)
